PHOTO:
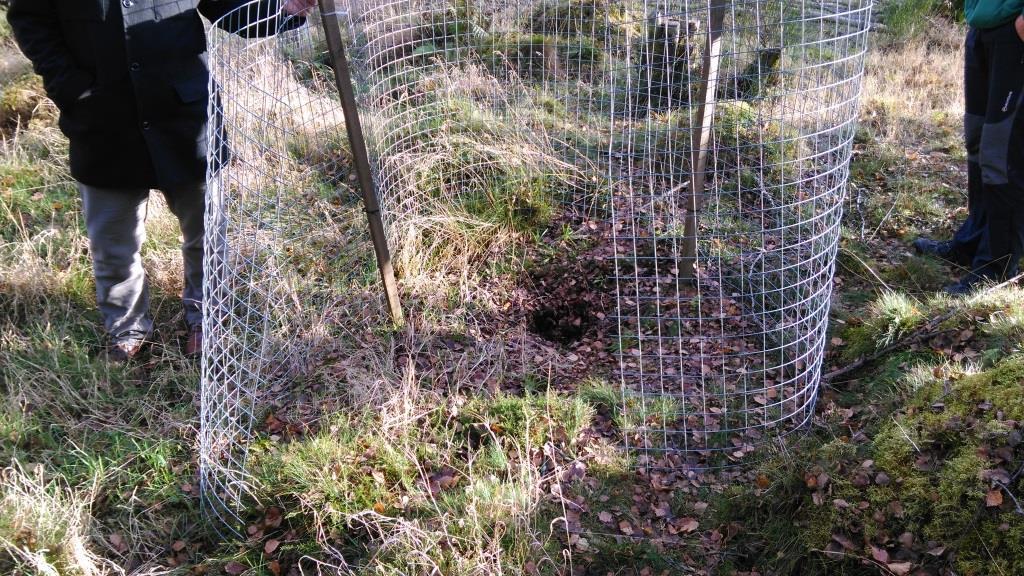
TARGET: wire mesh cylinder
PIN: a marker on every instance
(718, 194)
(289, 269)
(621, 110)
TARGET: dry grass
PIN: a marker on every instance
(913, 90)
(409, 432)
(134, 428)
(105, 444)
(45, 526)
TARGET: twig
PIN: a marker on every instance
(927, 331)
(981, 539)
(907, 436)
(912, 338)
(868, 268)
(860, 557)
(888, 214)
(1006, 489)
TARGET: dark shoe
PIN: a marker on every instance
(194, 344)
(967, 285)
(960, 289)
(122, 351)
(940, 249)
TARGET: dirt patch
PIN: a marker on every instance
(570, 300)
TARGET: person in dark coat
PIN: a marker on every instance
(990, 243)
(131, 81)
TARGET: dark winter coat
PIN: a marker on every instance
(131, 80)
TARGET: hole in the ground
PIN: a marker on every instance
(570, 301)
(564, 324)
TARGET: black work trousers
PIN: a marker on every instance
(991, 240)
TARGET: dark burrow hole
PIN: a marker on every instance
(570, 301)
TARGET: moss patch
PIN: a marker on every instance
(932, 487)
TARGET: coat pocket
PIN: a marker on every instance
(193, 90)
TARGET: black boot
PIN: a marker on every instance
(944, 250)
(970, 283)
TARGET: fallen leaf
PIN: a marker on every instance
(625, 527)
(273, 517)
(662, 510)
(896, 508)
(688, 524)
(178, 545)
(763, 482)
(235, 568)
(844, 541)
(880, 554)
(275, 567)
(271, 545)
(900, 568)
(605, 516)
(379, 508)
(117, 541)
(994, 498)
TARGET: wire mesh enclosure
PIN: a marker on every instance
(282, 244)
(709, 142)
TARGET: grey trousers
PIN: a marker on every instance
(115, 221)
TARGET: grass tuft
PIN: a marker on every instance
(45, 526)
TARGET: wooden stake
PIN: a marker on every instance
(360, 158)
(701, 136)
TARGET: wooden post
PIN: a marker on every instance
(360, 158)
(701, 135)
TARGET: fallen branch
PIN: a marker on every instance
(927, 331)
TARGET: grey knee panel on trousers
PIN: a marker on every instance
(995, 151)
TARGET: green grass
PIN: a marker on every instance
(412, 473)
(921, 473)
(6, 37)
(534, 55)
(908, 18)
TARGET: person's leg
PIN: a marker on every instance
(961, 249)
(976, 88)
(115, 224)
(188, 203)
(1000, 154)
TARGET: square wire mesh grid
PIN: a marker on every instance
(710, 139)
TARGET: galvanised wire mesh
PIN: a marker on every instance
(289, 269)
(710, 141)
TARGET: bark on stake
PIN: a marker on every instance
(701, 136)
(343, 79)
